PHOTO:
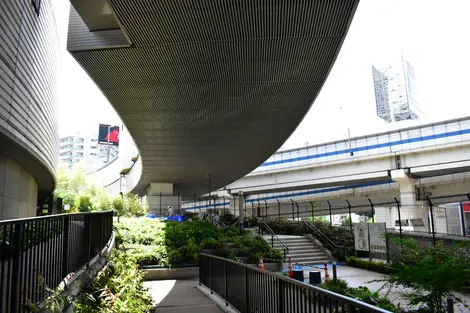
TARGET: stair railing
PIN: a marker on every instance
(323, 238)
(262, 226)
(274, 238)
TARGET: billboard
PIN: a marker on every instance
(108, 133)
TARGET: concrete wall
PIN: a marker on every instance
(29, 68)
(18, 190)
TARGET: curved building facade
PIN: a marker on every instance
(29, 60)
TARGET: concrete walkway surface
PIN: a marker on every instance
(172, 296)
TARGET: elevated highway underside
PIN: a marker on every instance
(208, 87)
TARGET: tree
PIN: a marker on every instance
(432, 273)
(129, 205)
(134, 206)
(84, 204)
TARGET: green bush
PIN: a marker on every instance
(85, 204)
(360, 293)
(432, 273)
(379, 267)
(177, 244)
(117, 288)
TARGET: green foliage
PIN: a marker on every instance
(346, 221)
(84, 204)
(379, 267)
(75, 190)
(179, 244)
(133, 205)
(117, 288)
(361, 293)
(431, 272)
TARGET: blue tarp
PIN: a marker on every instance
(177, 218)
(150, 215)
(310, 267)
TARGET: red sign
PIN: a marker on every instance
(466, 206)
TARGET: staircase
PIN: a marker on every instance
(301, 249)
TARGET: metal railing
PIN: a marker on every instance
(249, 289)
(262, 226)
(38, 253)
(323, 238)
(265, 227)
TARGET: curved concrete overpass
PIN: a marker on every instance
(208, 87)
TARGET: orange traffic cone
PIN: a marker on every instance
(327, 276)
(290, 272)
(260, 263)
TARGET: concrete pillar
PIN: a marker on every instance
(414, 213)
(159, 196)
(234, 206)
(18, 191)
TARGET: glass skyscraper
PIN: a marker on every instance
(395, 91)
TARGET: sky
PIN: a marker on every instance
(432, 35)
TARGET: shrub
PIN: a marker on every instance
(117, 288)
(361, 293)
(84, 204)
(374, 266)
(431, 272)
(175, 244)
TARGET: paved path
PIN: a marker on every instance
(180, 296)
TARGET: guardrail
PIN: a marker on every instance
(250, 289)
(38, 253)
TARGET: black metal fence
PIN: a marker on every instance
(249, 289)
(38, 253)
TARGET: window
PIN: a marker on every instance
(37, 5)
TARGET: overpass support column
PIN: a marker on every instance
(414, 213)
(160, 196)
(234, 203)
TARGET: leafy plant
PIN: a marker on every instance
(361, 293)
(432, 273)
(177, 244)
(117, 288)
(379, 267)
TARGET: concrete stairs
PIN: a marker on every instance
(301, 249)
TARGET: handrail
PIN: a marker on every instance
(47, 217)
(321, 235)
(275, 237)
(246, 285)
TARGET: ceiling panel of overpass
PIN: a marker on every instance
(216, 86)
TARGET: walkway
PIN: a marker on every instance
(180, 296)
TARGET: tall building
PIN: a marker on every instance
(80, 147)
(395, 91)
(29, 67)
